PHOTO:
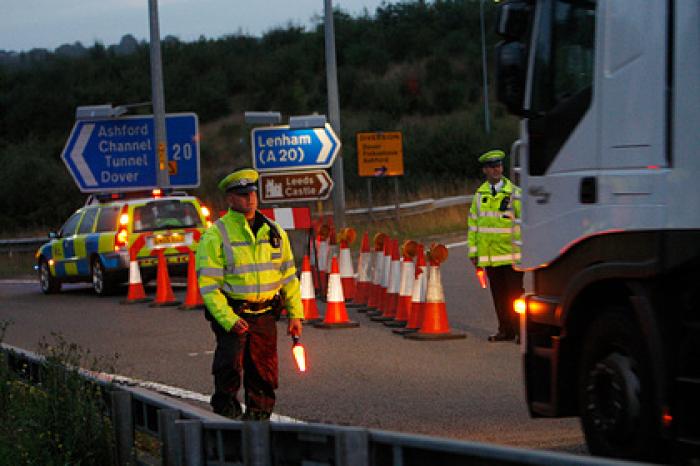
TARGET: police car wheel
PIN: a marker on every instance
(49, 284)
(101, 283)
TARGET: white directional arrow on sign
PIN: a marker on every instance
(325, 183)
(326, 146)
(77, 157)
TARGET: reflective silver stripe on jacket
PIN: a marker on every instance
(208, 289)
(284, 266)
(210, 272)
(503, 257)
(248, 289)
(496, 230)
(254, 267)
(226, 245)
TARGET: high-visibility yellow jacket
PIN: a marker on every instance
(251, 269)
(493, 232)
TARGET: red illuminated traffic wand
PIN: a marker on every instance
(481, 275)
(298, 352)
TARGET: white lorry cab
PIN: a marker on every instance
(608, 158)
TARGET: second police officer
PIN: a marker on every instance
(246, 275)
(492, 240)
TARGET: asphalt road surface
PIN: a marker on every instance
(465, 389)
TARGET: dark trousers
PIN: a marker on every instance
(252, 355)
(506, 286)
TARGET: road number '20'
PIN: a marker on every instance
(182, 151)
(291, 155)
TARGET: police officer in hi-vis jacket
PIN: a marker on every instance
(246, 275)
(492, 239)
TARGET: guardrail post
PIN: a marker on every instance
(352, 447)
(191, 448)
(256, 443)
(170, 441)
(122, 420)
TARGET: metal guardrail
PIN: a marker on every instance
(190, 436)
(409, 208)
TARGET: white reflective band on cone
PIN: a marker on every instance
(395, 277)
(363, 267)
(408, 274)
(346, 270)
(307, 286)
(134, 272)
(378, 268)
(335, 289)
(386, 271)
(420, 287)
(323, 262)
(435, 291)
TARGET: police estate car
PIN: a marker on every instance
(99, 240)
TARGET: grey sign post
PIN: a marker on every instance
(158, 97)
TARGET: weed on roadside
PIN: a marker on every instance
(58, 420)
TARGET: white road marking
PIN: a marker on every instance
(174, 392)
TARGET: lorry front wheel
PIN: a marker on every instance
(615, 390)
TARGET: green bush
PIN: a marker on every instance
(59, 421)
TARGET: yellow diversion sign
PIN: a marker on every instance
(380, 153)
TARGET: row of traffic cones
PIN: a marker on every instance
(402, 293)
(164, 291)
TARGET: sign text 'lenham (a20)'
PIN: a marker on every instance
(119, 154)
(311, 185)
(279, 148)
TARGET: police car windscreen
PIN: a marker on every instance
(161, 215)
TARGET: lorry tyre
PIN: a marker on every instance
(48, 283)
(101, 282)
(616, 389)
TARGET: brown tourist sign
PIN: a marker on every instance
(309, 185)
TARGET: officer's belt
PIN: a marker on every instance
(242, 307)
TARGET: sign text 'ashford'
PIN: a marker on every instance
(279, 148)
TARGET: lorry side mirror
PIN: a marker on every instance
(510, 76)
(513, 19)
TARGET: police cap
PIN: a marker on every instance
(240, 181)
(492, 158)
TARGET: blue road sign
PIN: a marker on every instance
(279, 148)
(120, 154)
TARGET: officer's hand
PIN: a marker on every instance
(240, 327)
(294, 327)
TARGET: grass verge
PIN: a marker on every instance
(60, 420)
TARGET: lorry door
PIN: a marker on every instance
(559, 133)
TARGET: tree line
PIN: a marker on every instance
(413, 66)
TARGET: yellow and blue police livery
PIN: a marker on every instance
(97, 242)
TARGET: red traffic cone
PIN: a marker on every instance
(435, 325)
(336, 314)
(420, 287)
(164, 292)
(308, 297)
(136, 292)
(391, 297)
(385, 273)
(347, 274)
(364, 269)
(408, 275)
(193, 298)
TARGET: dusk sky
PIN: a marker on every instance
(28, 24)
